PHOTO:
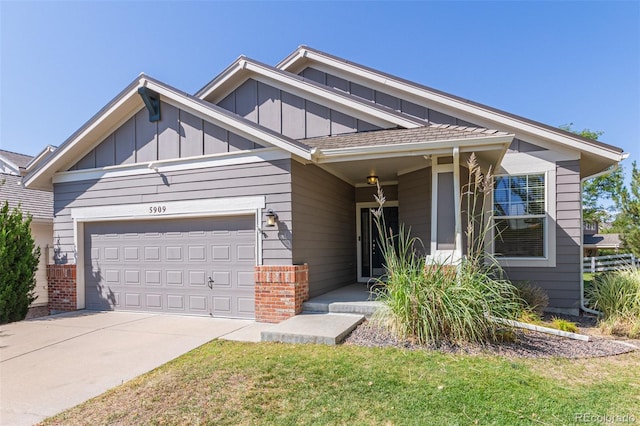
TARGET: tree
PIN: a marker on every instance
(18, 264)
(628, 219)
(597, 191)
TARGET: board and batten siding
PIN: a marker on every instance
(325, 228)
(288, 114)
(562, 282)
(271, 179)
(381, 98)
(178, 134)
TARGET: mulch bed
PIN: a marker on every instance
(528, 344)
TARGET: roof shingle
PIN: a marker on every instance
(38, 204)
(431, 133)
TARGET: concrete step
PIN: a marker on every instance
(366, 308)
(351, 299)
(325, 328)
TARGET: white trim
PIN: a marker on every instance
(448, 256)
(457, 202)
(443, 103)
(401, 150)
(171, 165)
(359, 206)
(188, 208)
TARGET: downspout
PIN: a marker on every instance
(582, 305)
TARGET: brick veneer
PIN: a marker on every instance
(280, 291)
(62, 288)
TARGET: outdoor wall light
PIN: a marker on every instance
(372, 179)
(272, 218)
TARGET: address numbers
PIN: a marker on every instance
(157, 209)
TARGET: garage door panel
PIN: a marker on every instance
(221, 253)
(165, 265)
(175, 278)
(175, 302)
(245, 279)
(221, 279)
(197, 279)
(173, 253)
(132, 254)
(197, 253)
(111, 254)
(154, 301)
(133, 300)
(132, 277)
(152, 253)
(246, 253)
(152, 277)
(246, 305)
(198, 304)
(222, 305)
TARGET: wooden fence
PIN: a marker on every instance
(613, 262)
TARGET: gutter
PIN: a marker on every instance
(602, 173)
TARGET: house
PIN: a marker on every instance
(254, 193)
(37, 203)
(594, 241)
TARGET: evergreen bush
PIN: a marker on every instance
(18, 264)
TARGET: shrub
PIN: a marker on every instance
(535, 298)
(443, 302)
(18, 264)
(617, 296)
(564, 325)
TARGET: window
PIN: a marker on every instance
(519, 216)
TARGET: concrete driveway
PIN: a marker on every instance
(53, 363)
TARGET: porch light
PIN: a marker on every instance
(272, 218)
(372, 179)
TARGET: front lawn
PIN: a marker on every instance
(243, 383)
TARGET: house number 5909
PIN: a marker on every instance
(157, 209)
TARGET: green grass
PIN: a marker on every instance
(242, 383)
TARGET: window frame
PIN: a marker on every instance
(549, 223)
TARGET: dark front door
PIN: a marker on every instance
(371, 259)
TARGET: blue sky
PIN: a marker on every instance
(555, 62)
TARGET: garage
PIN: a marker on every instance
(197, 266)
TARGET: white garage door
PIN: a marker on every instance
(198, 266)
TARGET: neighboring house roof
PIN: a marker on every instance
(38, 204)
(603, 241)
(598, 155)
(12, 162)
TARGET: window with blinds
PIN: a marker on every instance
(519, 216)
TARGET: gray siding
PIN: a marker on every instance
(364, 194)
(381, 98)
(288, 114)
(562, 283)
(271, 179)
(178, 135)
(325, 228)
(414, 205)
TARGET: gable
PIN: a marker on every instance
(595, 156)
(288, 114)
(178, 134)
